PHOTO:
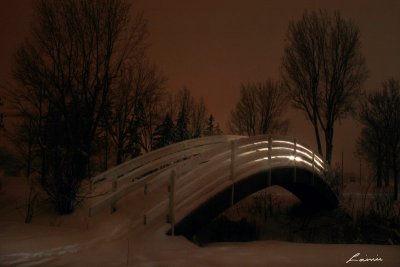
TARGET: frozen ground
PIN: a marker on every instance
(120, 239)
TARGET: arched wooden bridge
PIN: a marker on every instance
(200, 178)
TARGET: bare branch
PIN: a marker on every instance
(259, 110)
(323, 70)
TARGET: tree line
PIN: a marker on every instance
(322, 75)
(86, 91)
(379, 141)
(88, 97)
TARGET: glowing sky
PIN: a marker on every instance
(212, 46)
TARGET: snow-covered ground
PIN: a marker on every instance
(121, 239)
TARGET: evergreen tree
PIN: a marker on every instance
(134, 148)
(182, 122)
(210, 129)
(217, 130)
(164, 134)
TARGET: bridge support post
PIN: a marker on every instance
(171, 213)
(269, 161)
(313, 169)
(91, 185)
(294, 161)
(114, 189)
(232, 171)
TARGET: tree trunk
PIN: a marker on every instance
(315, 123)
(120, 151)
(395, 176)
(106, 152)
(328, 144)
(29, 211)
(379, 169)
(378, 178)
(31, 203)
(318, 139)
(386, 172)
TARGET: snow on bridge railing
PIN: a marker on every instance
(158, 156)
(229, 166)
(297, 153)
(132, 174)
(221, 164)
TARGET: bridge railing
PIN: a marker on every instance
(197, 169)
(229, 165)
(164, 154)
(148, 170)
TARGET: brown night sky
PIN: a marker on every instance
(213, 46)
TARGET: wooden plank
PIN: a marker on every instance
(186, 208)
(112, 199)
(200, 170)
(249, 156)
(161, 209)
(189, 165)
(269, 161)
(198, 183)
(158, 181)
(232, 170)
(211, 184)
(171, 213)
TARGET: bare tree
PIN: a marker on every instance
(198, 118)
(149, 83)
(244, 117)
(66, 71)
(123, 102)
(372, 148)
(323, 70)
(184, 103)
(379, 141)
(135, 109)
(259, 110)
(164, 134)
(189, 114)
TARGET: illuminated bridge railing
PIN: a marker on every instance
(203, 169)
